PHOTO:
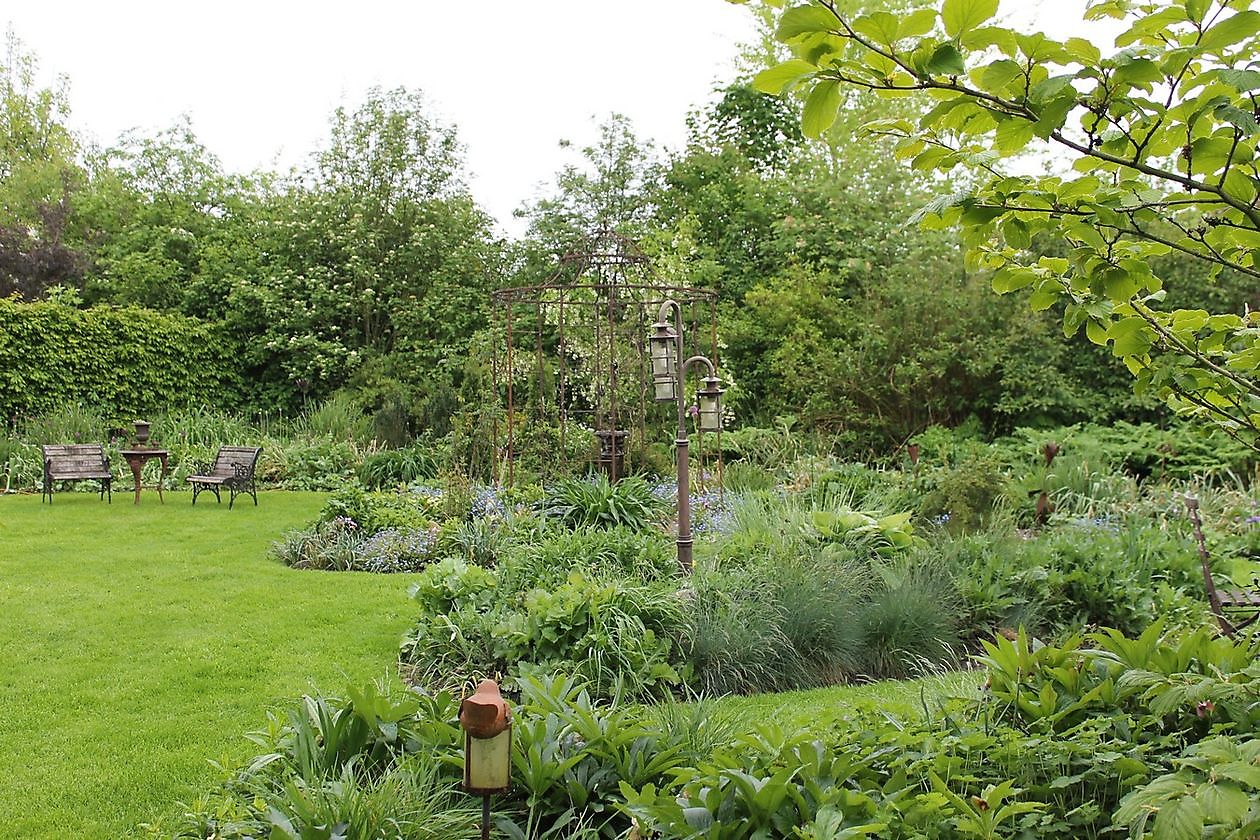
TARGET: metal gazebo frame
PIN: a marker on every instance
(587, 331)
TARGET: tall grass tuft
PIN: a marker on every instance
(910, 626)
(339, 417)
(203, 428)
(71, 424)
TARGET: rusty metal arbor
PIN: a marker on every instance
(572, 368)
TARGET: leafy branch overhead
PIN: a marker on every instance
(1160, 134)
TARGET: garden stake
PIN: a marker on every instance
(487, 723)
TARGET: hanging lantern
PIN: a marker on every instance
(709, 399)
(664, 343)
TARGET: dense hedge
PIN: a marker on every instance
(118, 361)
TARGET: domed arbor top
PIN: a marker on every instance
(571, 368)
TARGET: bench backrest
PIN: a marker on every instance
(69, 458)
(229, 456)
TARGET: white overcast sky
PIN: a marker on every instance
(260, 79)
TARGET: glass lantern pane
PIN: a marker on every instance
(662, 363)
(665, 390)
(710, 414)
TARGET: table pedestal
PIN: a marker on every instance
(136, 459)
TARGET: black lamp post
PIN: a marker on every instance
(669, 375)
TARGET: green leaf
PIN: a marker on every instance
(1083, 51)
(1013, 135)
(931, 158)
(996, 76)
(1073, 316)
(881, 27)
(1130, 336)
(1137, 72)
(961, 16)
(1045, 296)
(1012, 278)
(821, 108)
(946, 60)
(1016, 234)
(1223, 802)
(919, 22)
(1180, 819)
(1243, 81)
(1230, 31)
(1245, 121)
(804, 20)
(774, 80)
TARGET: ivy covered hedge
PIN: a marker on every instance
(119, 361)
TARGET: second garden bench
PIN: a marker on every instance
(233, 468)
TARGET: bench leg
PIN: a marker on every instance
(198, 489)
(47, 491)
(107, 488)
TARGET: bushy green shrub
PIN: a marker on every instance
(335, 545)
(1100, 734)
(395, 467)
(119, 362)
(374, 511)
(600, 503)
(1104, 573)
(963, 496)
(596, 602)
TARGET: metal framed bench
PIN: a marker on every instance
(233, 468)
(76, 462)
(1235, 609)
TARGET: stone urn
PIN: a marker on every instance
(142, 433)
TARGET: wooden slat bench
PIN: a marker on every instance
(233, 468)
(75, 462)
(1235, 609)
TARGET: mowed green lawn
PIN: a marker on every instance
(136, 643)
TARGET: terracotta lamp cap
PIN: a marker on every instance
(484, 713)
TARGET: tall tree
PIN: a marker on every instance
(38, 175)
(378, 250)
(611, 189)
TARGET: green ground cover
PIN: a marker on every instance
(139, 642)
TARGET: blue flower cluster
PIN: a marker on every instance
(711, 513)
(666, 491)
(486, 503)
(1106, 523)
(399, 550)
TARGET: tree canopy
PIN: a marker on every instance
(1160, 139)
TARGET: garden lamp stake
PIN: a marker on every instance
(663, 341)
(487, 723)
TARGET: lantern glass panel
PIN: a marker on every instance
(665, 391)
(710, 411)
(663, 362)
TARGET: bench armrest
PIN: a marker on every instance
(244, 470)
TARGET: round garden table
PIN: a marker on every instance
(136, 459)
